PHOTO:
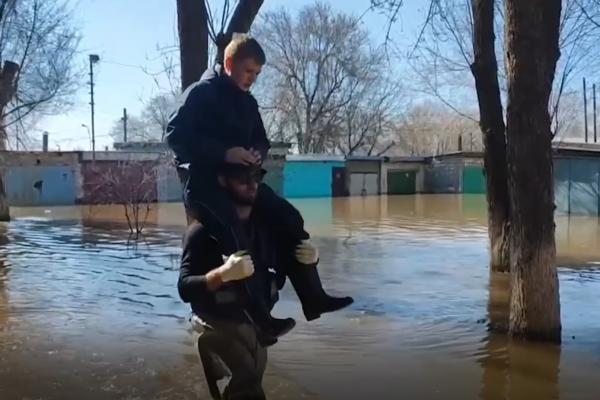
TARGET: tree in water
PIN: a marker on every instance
(458, 36)
(491, 120)
(446, 23)
(38, 44)
(532, 42)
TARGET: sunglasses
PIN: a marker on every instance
(247, 178)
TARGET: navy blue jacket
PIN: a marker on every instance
(214, 115)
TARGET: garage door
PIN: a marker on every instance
(364, 185)
(473, 180)
(402, 182)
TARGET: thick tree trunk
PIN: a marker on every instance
(532, 29)
(193, 40)
(4, 208)
(244, 14)
(192, 24)
(8, 89)
(485, 72)
(499, 302)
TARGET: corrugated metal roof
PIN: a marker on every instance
(315, 157)
(405, 159)
(364, 158)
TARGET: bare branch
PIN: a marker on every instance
(591, 19)
(39, 36)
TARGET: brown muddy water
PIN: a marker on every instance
(87, 314)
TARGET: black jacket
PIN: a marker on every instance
(202, 253)
(213, 116)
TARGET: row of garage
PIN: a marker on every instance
(55, 178)
(336, 176)
(332, 176)
(43, 179)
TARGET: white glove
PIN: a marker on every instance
(238, 266)
(307, 253)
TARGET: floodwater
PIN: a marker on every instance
(86, 313)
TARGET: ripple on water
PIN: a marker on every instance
(420, 280)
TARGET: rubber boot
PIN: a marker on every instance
(315, 301)
(268, 333)
(268, 328)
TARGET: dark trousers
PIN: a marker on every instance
(235, 345)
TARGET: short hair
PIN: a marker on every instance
(243, 46)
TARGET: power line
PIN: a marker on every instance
(123, 64)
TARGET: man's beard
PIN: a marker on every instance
(242, 200)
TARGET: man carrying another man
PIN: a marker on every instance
(217, 129)
(221, 303)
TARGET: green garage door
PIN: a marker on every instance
(473, 180)
(402, 182)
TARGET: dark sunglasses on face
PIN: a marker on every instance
(249, 177)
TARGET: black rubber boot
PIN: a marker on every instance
(268, 333)
(315, 301)
(268, 328)
(280, 326)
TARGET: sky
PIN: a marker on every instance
(128, 38)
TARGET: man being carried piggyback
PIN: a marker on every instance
(218, 123)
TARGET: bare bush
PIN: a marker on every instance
(131, 184)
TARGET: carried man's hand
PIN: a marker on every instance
(256, 154)
(307, 253)
(239, 155)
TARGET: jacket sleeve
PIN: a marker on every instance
(199, 257)
(191, 129)
(259, 134)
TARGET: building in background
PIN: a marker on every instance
(403, 175)
(315, 176)
(147, 170)
(364, 175)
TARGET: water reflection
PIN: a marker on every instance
(514, 369)
(85, 314)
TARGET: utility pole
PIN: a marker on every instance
(595, 124)
(94, 58)
(585, 120)
(45, 142)
(124, 119)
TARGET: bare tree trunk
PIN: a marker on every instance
(485, 71)
(192, 23)
(241, 21)
(8, 88)
(4, 208)
(532, 32)
(193, 40)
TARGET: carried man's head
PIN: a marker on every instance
(241, 182)
(244, 59)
